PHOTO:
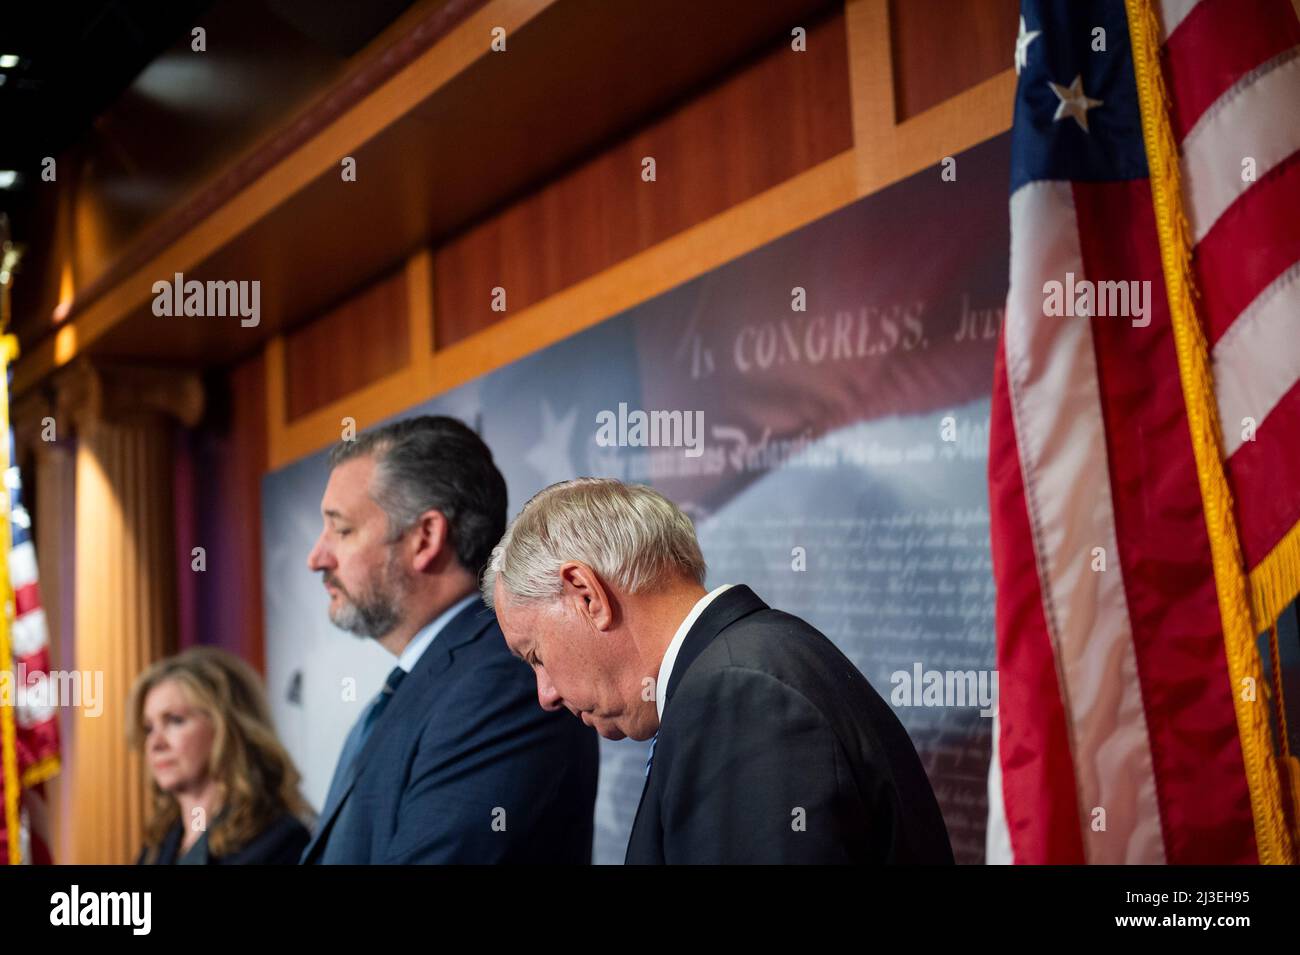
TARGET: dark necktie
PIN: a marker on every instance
(379, 703)
(356, 742)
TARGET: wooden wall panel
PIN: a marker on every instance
(780, 115)
(349, 347)
(243, 468)
(217, 492)
(942, 47)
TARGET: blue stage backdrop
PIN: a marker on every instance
(841, 375)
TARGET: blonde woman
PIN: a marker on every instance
(223, 789)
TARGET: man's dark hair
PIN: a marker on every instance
(435, 463)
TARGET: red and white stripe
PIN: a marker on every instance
(1117, 740)
(29, 633)
(1234, 76)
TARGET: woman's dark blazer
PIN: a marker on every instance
(280, 843)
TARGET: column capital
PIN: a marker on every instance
(34, 420)
(89, 392)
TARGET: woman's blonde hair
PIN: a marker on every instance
(257, 780)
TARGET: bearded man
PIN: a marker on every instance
(453, 760)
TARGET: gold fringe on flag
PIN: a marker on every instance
(8, 725)
(41, 771)
(1274, 836)
(1275, 581)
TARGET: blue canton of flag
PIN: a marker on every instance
(1058, 132)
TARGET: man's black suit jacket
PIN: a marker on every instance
(774, 748)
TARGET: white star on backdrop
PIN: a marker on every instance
(1073, 102)
(550, 455)
(1025, 38)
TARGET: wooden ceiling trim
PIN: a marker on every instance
(712, 243)
(888, 151)
(884, 152)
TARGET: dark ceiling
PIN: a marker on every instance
(582, 74)
(98, 81)
(75, 58)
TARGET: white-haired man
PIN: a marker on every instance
(768, 744)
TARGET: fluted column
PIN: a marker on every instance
(125, 579)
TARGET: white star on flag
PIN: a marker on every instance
(1073, 102)
(1025, 38)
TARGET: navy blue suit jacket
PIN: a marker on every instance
(464, 766)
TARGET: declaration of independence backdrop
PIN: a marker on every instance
(841, 472)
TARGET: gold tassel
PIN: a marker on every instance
(1275, 581)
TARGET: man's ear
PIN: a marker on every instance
(583, 587)
(430, 537)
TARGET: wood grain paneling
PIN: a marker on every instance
(776, 117)
(886, 150)
(882, 152)
(349, 347)
(941, 48)
(795, 203)
(226, 459)
(244, 465)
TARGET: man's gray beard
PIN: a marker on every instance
(376, 613)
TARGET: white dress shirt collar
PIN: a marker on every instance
(670, 655)
(420, 642)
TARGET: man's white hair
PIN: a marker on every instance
(630, 534)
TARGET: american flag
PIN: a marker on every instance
(1144, 470)
(29, 727)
